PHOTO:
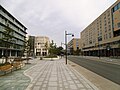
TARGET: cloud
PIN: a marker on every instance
(52, 17)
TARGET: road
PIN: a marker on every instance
(106, 70)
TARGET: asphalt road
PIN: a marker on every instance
(106, 70)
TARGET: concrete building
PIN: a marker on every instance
(73, 45)
(102, 36)
(19, 33)
(42, 44)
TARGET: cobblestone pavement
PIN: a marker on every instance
(55, 75)
(16, 80)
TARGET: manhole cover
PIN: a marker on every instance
(73, 65)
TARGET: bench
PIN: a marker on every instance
(6, 68)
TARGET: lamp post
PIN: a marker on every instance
(66, 44)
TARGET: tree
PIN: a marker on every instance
(27, 50)
(7, 40)
(52, 48)
(59, 50)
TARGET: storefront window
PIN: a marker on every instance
(115, 8)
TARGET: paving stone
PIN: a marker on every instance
(80, 85)
(60, 85)
(66, 87)
(61, 88)
(87, 86)
(55, 75)
(38, 83)
(73, 87)
(53, 79)
(69, 78)
(44, 85)
(76, 81)
(36, 88)
(71, 82)
(43, 89)
(45, 81)
(52, 84)
(65, 83)
(41, 79)
(52, 88)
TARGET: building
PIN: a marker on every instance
(42, 44)
(73, 45)
(102, 36)
(19, 34)
(31, 43)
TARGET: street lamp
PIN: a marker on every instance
(66, 43)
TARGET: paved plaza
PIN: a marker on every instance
(55, 75)
(45, 75)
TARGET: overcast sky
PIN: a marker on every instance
(52, 17)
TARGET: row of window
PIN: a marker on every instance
(2, 28)
(11, 18)
(6, 22)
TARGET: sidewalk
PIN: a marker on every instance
(103, 59)
(55, 75)
(16, 80)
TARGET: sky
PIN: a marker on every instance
(52, 18)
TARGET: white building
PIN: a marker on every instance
(42, 44)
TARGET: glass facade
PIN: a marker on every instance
(116, 7)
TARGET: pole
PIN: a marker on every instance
(66, 46)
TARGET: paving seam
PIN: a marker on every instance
(62, 72)
(78, 74)
(33, 78)
(77, 78)
(25, 72)
(42, 71)
(68, 68)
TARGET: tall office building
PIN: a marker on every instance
(8, 21)
(102, 36)
(42, 44)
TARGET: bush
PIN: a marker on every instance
(2, 64)
(51, 56)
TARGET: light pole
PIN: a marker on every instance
(66, 44)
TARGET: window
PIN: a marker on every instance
(110, 35)
(106, 36)
(115, 8)
(118, 25)
(118, 5)
(105, 29)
